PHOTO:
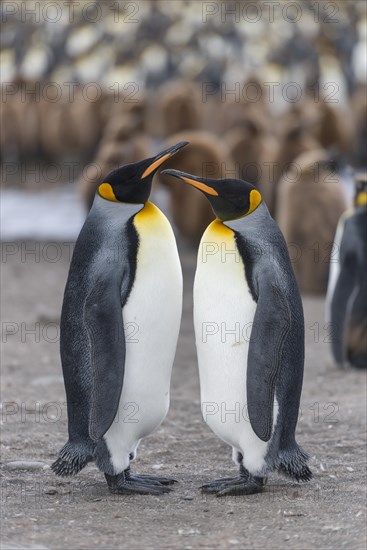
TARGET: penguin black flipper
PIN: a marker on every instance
(340, 310)
(104, 323)
(344, 292)
(271, 326)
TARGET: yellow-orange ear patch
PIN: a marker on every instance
(201, 186)
(361, 199)
(106, 191)
(255, 200)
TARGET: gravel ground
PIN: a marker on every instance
(42, 511)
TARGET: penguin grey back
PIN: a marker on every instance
(276, 354)
(349, 300)
(99, 282)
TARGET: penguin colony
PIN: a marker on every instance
(229, 138)
(125, 269)
(257, 155)
(242, 139)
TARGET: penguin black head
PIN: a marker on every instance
(229, 198)
(132, 183)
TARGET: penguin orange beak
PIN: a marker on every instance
(158, 160)
(192, 180)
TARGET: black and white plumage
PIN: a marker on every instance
(119, 327)
(249, 330)
(346, 300)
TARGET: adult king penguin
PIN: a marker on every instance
(119, 327)
(346, 299)
(249, 335)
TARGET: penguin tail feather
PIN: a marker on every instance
(72, 458)
(293, 463)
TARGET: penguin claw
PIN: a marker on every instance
(215, 484)
(244, 484)
(156, 480)
(132, 488)
(144, 481)
(127, 484)
(248, 488)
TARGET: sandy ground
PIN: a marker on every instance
(42, 511)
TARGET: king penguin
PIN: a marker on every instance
(346, 299)
(119, 328)
(249, 330)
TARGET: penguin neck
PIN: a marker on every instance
(113, 210)
(360, 210)
(255, 219)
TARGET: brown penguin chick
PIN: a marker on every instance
(335, 128)
(245, 144)
(128, 107)
(69, 127)
(138, 110)
(357, 343)
(242, 103)
(310, 203)
(10, 129)
(105, 107)
(269, 153)
(121, 143)
(205, 156)
(111, 155)
(210, 116)
(121, 128)
(359, 108)
(330, 124)
(297, 139)
(174, 108)
(239, 114)
(20, 125)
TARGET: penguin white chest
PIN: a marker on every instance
(151, 319)
(334, 271)
(224, 312)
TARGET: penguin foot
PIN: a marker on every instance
(250, 487)
(207, 487)
(129, 484)
(244, 484)
(159, 480)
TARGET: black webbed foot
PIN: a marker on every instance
(147, 478)
(244, 484)
(130, 484)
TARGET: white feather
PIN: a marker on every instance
(224, 311)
